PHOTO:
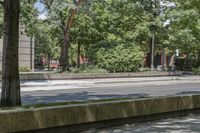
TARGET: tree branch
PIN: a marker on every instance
(72, 15)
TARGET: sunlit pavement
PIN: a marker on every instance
(34, 92)
(94, 89)
(188, 124)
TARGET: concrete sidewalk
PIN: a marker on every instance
(105, 81)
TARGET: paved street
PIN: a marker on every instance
(89, 89)
(188, 124)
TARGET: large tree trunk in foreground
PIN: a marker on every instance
(66, 41)
(10, 95)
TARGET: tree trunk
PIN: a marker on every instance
(10, 95)
(163, 58)
(149, 55)
(31, 53)
(66, 42)
(152, 52)
(198, 58)
(78, 55)
(49, 61)
(65, 52)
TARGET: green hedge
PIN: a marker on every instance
(88, 69)
(24, 69)
(122, 58)
(196, 71)
(186, 64)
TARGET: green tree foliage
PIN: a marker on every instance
(45, 41)
(28, 16)
(105, 21)
(62, 14)
(184, 27)
(106, 24)
(1, 21)
(46, 44)
(117, 20)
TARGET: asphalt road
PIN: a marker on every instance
(34, 92)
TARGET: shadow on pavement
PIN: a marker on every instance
(39, 99)
(188, 93)
(189, 124)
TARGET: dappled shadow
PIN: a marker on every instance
(82, 96)
(189, 124)
(188, 93)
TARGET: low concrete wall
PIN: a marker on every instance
(41, 118)
(53, 76)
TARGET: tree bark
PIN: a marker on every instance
(78, 55)
(65, 52)
(163, 56)
(198, 58)
(10, 95)
(49, 61)
(65, 66)
(31, 53)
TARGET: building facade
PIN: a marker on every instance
(26, 50)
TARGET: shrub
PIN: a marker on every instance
(24, 69)
(93, 49)
(122, 58)
(88, 69)
(186, 64)
(196, 71)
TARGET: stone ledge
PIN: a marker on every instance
(54, 76)
(50, 117)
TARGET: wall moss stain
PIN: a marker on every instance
(29, 119)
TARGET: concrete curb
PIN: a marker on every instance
(60, 116)
(53, 76)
